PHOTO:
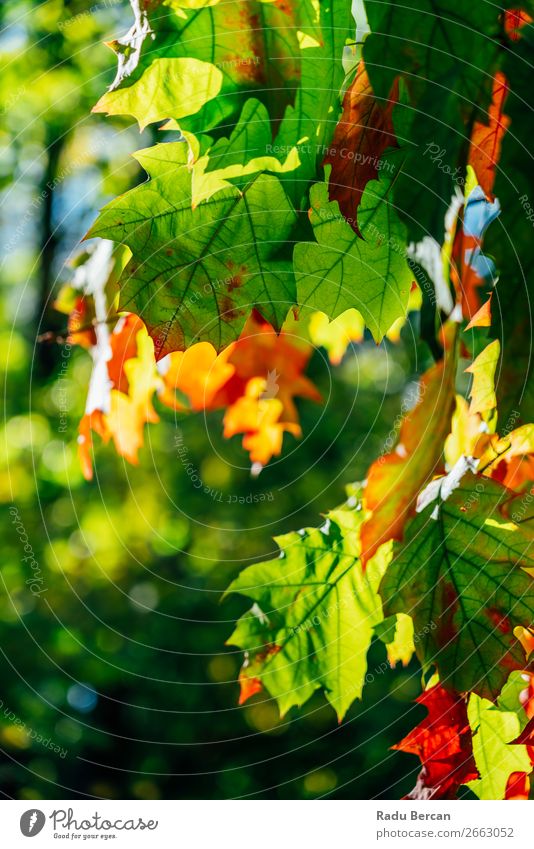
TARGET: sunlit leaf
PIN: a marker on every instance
(318, 607)
(483, 369)
(496, 759)
(342, 271)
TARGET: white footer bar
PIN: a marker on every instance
(320, 824)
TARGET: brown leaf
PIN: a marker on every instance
(363, 133)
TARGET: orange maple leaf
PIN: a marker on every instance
(256, 379)
(261, 352)
(198, 373)
(127, 398)
(248, 687)
(486, 138)
(259, 418)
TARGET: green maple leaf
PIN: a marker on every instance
(313, 616)
(343, 271)
(446, 53)
(493, 730)
(198, 65)
(195, 274)
(233, 161)
(460, 571)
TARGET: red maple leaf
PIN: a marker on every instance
(443, 742)
(514, 19)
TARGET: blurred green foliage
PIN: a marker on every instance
(115, 678)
